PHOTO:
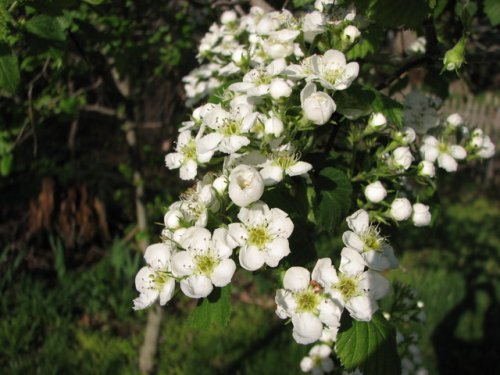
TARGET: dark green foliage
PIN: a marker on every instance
(215, 310)
(369, 346)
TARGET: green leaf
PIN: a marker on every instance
(46, 27)
(371, 39)
(355, 102)
(392, 109)
(94, 2)
(369, 346)
(301, 3)
(492, 10)
(9, 69)
(215, 310)
(392, 14)
(6, 165)
(335, 191)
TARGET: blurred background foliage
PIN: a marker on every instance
(90, 100)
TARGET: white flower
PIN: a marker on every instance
(279, 88)
(186, 156)
(445, 153)
(402, 158)
(228, 16)
(482, 144)
(366, 240)
(262, 235)
(421, 215)
(193, 207)
(283, 161)
(280, 43)
(375, 192)
(350, 34)
(377, 120)
(318, 107)
(318, 361)
(313, 24)
(426, 168)
(401, 209)
(220, 184)
(245, 185)
(257, 81)
(352, 288)
(303, 300)
(454, 120)
(229, 130)
(406, 136)
(332, 72)
(154, 281)
(273, 126)
(204, 262)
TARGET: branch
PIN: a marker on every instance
(407, 66)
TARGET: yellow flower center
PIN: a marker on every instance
(307, 301)
(347, 286)
(258, 236)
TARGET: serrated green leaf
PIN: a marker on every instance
(9, 69)
(492, 10)
(369, 346)
(334, 191)
(215, 310)
(46, 27)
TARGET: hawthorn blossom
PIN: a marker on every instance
(284, 160)
(446, 154)
(352, 287)
(245, 185)
(154, 281)
(367, 241)
(318, 106)
(313, 24)
(481, 144)
(229, 130)
(204, 262)
(332, 71)
(318, 361)
(304, 301)
(262, 235)
(187, 157)
(401, 158)
(257, 81)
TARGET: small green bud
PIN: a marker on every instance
(454, 58)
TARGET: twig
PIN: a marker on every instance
(409, 65)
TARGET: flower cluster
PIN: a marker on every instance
(282, 77)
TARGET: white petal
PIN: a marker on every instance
(145, 299)
(361, 308)
(307, 328)
(198, 286)
(446, 162)
(279, 223)
(358, 221)
(158, 255)
(174, 160)
(298, 168)
(144, 279)
(330, 312)
(285, 303)
(271, 174)
(276, 250)
(351, 262)
(223, 243)
(251, 258)
(333, 56)
(458, 152)
(233, 143)
(188, 170)
(182, 264)
(238, 233)
(352, 240)
(196, 239)
(324, 273)
(223, 273)
(296, 278)
(167, 291)
(307, 91)
(208, 143)
(374, 284)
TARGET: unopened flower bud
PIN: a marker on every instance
(279, 88)
(401, 209)
(375, 192)
(228, 16)
(377, 120)
(454, 58)
(426, 168)
(350, 34)
(421, 215)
